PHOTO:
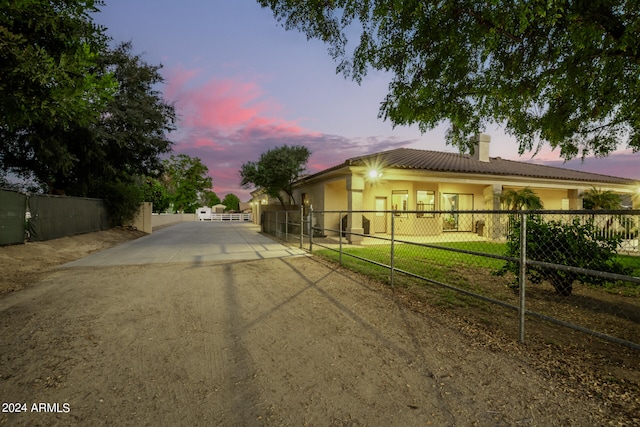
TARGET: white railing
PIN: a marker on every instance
(229, 217)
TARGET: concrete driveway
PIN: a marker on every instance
(193, 242)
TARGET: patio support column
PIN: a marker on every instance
(575, 199)
(492, 194)
(355, 189)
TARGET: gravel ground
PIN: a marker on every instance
(286, 341)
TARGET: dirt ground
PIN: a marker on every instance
(288, 341)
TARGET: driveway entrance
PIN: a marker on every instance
(193, 242)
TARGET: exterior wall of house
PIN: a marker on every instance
(335, 195)
(335, 199)
(411, 224)
(451, 192)
(553, 199)
(331, 196)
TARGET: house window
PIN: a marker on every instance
(425, 202)
(399, 201)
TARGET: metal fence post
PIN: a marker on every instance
(286, 226)
(340, 235)
(393, 256)
(522, 274)
(301, 226)
(310, 228)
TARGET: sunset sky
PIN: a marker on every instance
(241, 85)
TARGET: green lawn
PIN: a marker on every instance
(632, 262)
(438, 264)
(433, 263)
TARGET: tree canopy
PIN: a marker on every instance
(208, 198)
(557, 72)
(186, 178)
(48, 77)
(276, 171)
(128, 139)
(155, 192)
(231, 202)
(76, 116)
(74, 113)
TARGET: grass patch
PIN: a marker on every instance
(360, 266)
(632, 262)
(432, 262)
(442, 262)
(439, 265)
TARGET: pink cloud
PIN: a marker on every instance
(227, 122)
(206, 142)
(225, 106)
(177, 79)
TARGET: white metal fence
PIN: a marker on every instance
(228, 217)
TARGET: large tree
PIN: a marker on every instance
(231, 202)
(208, 198)
(558, 72)
(49, 79)
(153, 191)
(276, 171)
(128, 139)
(186, 178)
(74, 113)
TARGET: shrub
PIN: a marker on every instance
(122, 201)
(574, 244)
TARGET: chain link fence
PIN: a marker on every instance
(576, 269)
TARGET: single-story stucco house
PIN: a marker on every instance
(406, 179)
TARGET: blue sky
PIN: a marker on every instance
(241, 85)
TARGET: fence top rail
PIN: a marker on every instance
(13, 190)
(494, 212)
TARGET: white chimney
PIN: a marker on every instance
(481, 144)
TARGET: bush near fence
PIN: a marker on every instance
(457, 260)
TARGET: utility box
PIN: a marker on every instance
(480, 227)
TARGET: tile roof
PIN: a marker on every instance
(410, 158)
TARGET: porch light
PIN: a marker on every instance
(373, 174)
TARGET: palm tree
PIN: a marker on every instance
(521, 199)
(601, 199)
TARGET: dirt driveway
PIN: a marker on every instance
(280, 341)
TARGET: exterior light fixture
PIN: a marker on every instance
(373, 174)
